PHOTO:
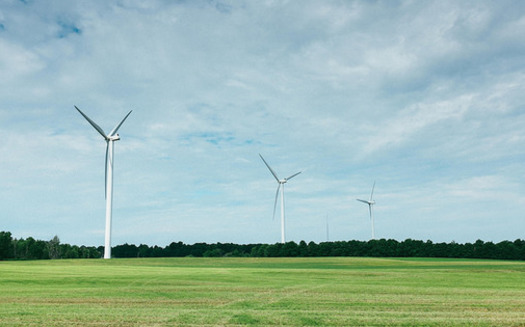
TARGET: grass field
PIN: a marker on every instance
(252, 291)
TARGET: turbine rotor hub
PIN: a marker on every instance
(115, 137)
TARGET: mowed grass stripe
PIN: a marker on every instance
(256, 291)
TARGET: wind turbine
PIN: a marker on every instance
(109, 138)
(281, 183)
(327, 230)
(370, 203)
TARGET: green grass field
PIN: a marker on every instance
(269, 291)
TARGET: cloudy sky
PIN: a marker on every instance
(425, 98)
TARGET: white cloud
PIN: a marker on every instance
(17, 62)
(414, 119)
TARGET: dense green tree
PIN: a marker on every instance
(157, 252)
(274, 250)
(520, 249)
(178, 249)
(213, 253)
(260, 250)
(31, 249)
(303, 249)
(89, 252)
(312, 249)
(6, 246)
(289, 249)
(125, 251)
(324, 249)
(198, 249)
(144, 251)
(70, 251)
(411, 248)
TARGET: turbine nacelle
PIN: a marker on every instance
(115, 137)
(367, 202)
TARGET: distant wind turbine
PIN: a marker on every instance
(281, 183)
(109, 138)
(370, 203)
(327, 230)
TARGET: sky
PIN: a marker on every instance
(424, 98)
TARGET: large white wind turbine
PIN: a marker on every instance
(370, 203)
(281, 183)
(110, 138)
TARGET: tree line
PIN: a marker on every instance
(31, 249)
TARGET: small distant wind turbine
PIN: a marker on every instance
(281, 183)
(370, 203)
(327, 230)
(110, 138)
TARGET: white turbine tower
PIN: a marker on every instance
(370, 203)
(281, 183)
(110, 138)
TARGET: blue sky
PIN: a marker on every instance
(425, 98)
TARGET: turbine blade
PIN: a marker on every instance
(100, 130)
(373, 186)
(106, 172)
(364, 201)
(275, 202)
(114, 131)
(288, 178)
(370, 210)
(271, 170)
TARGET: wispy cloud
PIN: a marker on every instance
(409, 121)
